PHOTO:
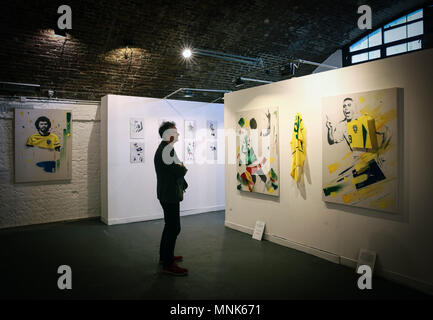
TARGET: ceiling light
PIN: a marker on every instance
(188, 94)
(187, 53)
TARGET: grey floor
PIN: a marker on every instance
(121, 262)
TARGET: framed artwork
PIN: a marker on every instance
(189, 151)
(258, 151)
(190, 129)
(212, 127)
(137, 152)
(136, 126)
(43, 145)
(360, 149)
(212, 152)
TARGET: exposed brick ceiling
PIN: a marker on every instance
(92, 61)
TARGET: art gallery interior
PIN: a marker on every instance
(305, 136)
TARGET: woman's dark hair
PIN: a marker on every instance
(45, 119)
(165, 126)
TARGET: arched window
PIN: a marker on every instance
(401, 35)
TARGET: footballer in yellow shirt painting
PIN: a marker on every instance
(44, 138)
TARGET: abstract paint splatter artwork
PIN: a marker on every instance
(189, 151)
(137, 152)
(43, 145)
(257, 151)
(212, 127)
(136, 128)
(360, 150)
(190, 129)
(212, 152)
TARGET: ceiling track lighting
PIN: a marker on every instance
(19, 87)
(287, 68)
(240, 81)
(188, 92)
(188, 53)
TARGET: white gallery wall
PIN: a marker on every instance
(299, 218)
(128, 191)
(43, 202)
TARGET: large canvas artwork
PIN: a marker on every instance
(43, 145)
(258, 151)
(360, 150)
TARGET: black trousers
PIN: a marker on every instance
(170, 233)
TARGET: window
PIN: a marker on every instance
(401, 35)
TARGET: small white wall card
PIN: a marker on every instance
(259, 230)
(366, 258)
(136, 128)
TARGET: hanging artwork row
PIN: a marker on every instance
(257, 151)
(43, 145)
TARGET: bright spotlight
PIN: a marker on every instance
(187, 53)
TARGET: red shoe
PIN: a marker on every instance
(175, 270)
(176, 259)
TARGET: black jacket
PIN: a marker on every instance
(170, 177)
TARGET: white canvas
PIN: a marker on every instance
(43, 145)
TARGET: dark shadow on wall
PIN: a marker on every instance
(94, 176)
(259, 196)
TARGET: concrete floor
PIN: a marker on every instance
(121, 262)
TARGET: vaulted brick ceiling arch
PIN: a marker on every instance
(92, 63)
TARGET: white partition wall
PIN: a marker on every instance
(299, 218)
(128, 190)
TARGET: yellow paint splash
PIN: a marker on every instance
(385, 118)
(347, 156)
(362, 100)
(360, 179)
(333, 167)
(383, 203)
(21, 114)
(349, 198)
(272, 160)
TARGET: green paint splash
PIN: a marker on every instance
(241, 122)
(331, 189)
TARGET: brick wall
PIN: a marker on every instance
(91, 61)
(33, 203)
